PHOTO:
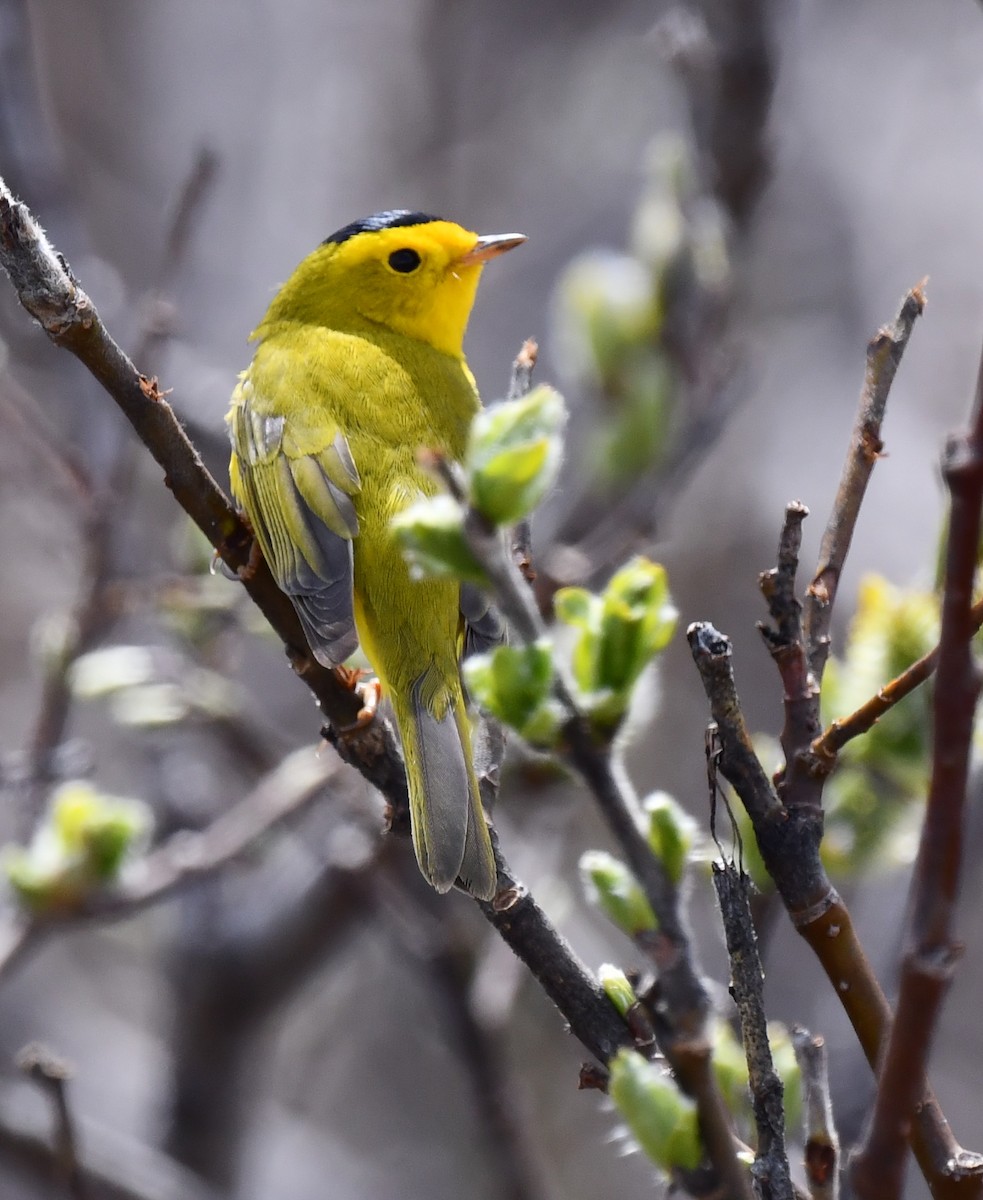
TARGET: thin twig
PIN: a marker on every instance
(798, 785)
(883, 357)
(52, 1074)
(519, 385)
(932, 951)
(770, 1169)
(838, 733)
(822, 1145)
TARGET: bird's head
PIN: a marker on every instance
(406, 271)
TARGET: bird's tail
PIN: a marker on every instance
(450, 834)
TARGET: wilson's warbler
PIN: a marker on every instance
(359, 365)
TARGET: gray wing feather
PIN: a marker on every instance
(305, 522)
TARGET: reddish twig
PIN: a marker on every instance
(832, 740)
(932, 951)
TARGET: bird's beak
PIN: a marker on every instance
(490, 245)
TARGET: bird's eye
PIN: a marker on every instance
(404, 261)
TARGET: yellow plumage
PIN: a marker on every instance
(359, 365)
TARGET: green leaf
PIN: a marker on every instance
(662, 1120)
(575, 606)
(621, 631)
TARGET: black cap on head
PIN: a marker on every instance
(392, 219)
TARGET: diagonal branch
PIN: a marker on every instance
(832, 740)
(47, 289)
(682, 999)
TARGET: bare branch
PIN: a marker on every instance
(798, 785)
(932, 951)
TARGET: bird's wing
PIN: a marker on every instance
(297, 491)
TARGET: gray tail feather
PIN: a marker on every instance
(450, 833)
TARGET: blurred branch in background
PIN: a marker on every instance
(52, 1076)
(645, 333)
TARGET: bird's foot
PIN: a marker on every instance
(369, 691)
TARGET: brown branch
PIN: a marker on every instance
(798, 784)
(832, 740)
(932, 951)
(884, 353)
(789, 840)
(822, 1145)
(593, 1019)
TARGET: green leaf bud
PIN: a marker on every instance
(662, 1120)
(615, 891)
(620, 632)
(671, 833)
(514, 454)
(431, 535)
(617, 988)
(515, 684)
(80, 845)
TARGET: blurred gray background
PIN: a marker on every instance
(535, 117)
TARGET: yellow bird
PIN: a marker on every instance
(359, 365)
